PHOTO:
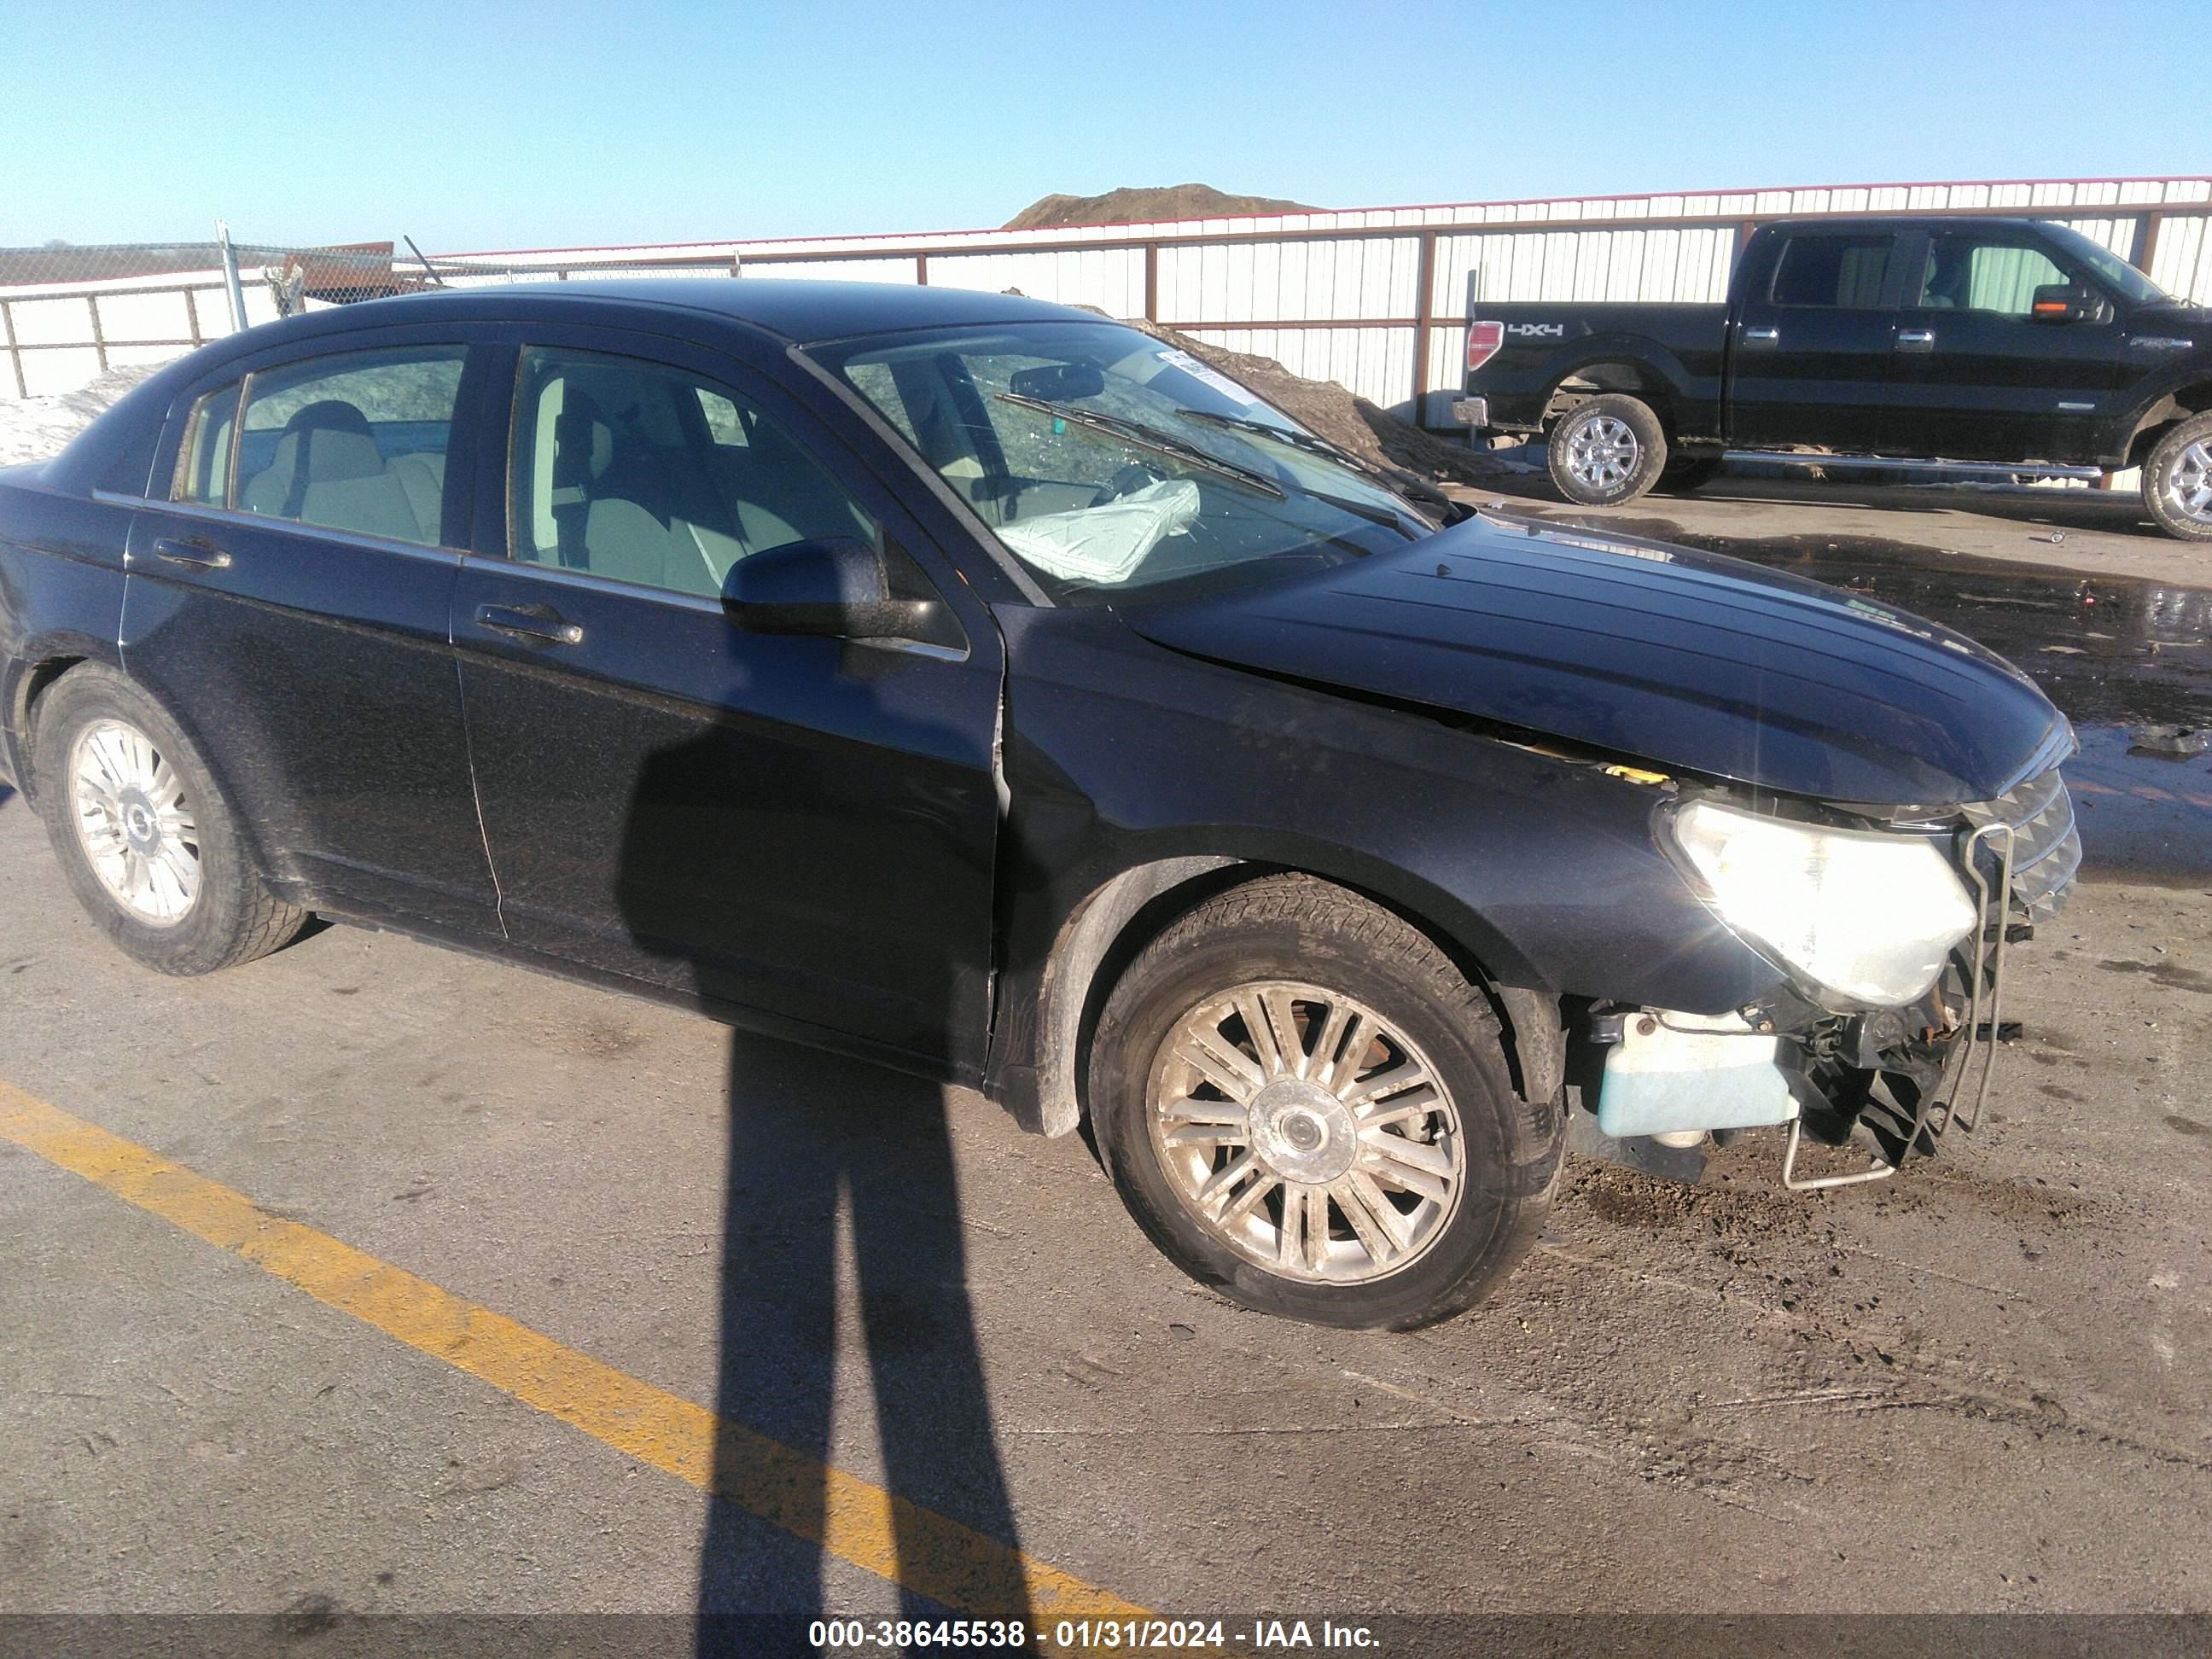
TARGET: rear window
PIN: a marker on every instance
(1841, 273)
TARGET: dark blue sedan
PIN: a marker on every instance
(1008, 696)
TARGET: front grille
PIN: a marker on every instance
(2046, 849)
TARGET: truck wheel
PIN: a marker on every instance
(1682, 476)
(1306, 1105)
(1607, 451)
(2177, 480)
(148, 844)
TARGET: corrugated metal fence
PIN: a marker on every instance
(1375, 298)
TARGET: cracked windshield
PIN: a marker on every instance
(1107, 461)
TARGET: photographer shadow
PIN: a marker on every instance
(841, 1235)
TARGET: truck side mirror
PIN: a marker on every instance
(2061, 302)
(838, 587)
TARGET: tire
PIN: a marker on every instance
(2177, 480)
(1680, 476)
(114, 772)
(1335, 959)
(1607, 451)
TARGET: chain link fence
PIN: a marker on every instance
(72, 314)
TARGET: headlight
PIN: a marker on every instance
(1867, 915)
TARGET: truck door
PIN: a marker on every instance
(1813, 337)
(1978, 374)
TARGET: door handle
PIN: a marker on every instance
(542, 623)
(1762, 337)
(1916, 339)
(199, 554)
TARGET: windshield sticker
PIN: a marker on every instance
(1206, 374)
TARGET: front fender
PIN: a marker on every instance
(1540, 873)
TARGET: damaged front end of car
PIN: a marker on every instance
(1891, 933)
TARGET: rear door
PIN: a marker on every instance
(1814, 335)
(1977, 376)
(291, 601)
(801, 826)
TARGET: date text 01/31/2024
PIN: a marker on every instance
(1084, 1635)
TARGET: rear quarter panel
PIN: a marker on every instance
(61, 592)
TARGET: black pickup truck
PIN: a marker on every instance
(1961, 339)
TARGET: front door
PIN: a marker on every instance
(1978, 377)
(291, 602)
(803, 827)
(1812, 343)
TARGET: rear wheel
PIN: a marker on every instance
(1307, 1106)
(1608, 450)
(2177, 480)
(150, 845)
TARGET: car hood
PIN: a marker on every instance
(1687, 661)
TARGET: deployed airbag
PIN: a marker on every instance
(1104, 543)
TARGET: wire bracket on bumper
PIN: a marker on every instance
(1984, 976)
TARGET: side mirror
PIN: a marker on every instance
(836, 588)
(2061, 302)
(1058, 383)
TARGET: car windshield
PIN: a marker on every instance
(1109, 462)
(2113, 271)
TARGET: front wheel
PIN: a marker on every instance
(1306, 1105)
(2177, 480)
(1607, 451)
(154, 851)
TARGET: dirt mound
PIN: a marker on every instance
(1122, 207)
(1419, 461)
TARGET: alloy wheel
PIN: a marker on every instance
(1307, 1132)
(1603, 452)
(2189, 481)
(134, 824)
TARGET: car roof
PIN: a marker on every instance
(797, 311)
(1846, 223)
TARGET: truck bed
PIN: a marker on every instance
(1688, 342)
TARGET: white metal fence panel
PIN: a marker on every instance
(2182, 261)
(1373, 362)
(1374, 297)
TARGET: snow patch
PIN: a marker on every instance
(39, 428)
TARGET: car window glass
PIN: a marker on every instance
(1106, 460)
(1840, 272)
(647, 474)
(353, 442)
(204, 459)
(874, 381)
(1970, 274)
(725, 425)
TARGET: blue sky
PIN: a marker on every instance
(504, 124)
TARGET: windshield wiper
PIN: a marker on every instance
(1152, 438)
(1311, 442)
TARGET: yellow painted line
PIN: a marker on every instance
(849, 1517)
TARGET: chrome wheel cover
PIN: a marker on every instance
(134, 824)
(1306, 1131)
(1603, 454)
(2189, 481)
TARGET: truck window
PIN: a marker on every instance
(1840, 272)
(1971, 273)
